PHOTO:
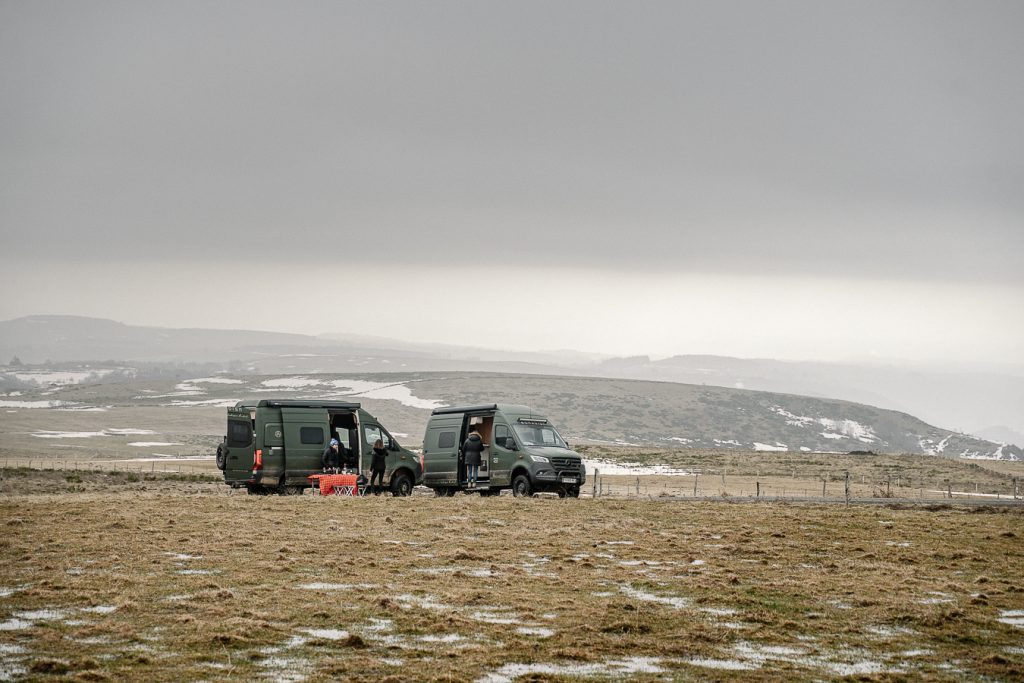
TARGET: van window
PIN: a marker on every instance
(239, 433)
(500, 434)
(446, 440)
(372, 433)
(539, 435)
(311, 435)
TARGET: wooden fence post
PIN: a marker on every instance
(696, 475)
(596, 473)
(847, 487)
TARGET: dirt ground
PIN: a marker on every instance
(174, 577)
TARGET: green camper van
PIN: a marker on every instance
(272, 446)
(523, 451)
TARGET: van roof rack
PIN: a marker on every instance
(464, 409)
(299, 403)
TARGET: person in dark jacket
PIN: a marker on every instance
(378, 465)
(471, 450)
(332, 455)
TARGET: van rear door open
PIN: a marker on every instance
(240, 445)
(306, 432)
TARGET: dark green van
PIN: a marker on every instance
(523, 451)
(272, 446)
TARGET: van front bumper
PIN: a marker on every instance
(548, 475)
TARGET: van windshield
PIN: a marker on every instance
(539, 435)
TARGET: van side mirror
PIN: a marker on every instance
(510, 444)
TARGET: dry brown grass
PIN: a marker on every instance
(196, 583)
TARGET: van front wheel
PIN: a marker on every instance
(401, 485)
(521, 487)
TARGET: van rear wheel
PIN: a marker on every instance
(521, 487)
(401, 485)
(222, 456)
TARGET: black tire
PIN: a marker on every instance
(489, 493)
(573, 491)
(222, 457)
(444, 492)
(256, 490)
(401, 485)
(521, 487)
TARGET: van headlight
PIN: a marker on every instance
(539, 458)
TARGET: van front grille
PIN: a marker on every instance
(566, 465)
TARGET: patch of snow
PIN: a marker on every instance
(43, 615)
(351, 387)
(723, 664)
(887, 631)
(937, 598)
(538, 631)
(213, 403)
(1012, 617)
(613, 668)
(146, 444)
(637, 594)
(402, 394)
(758, 446)
(99, 609)
(494, 615)
(31, 404)
(633, 469)
(183, 556)
(408, 601)
(336, 586)
(325, 633)
(65, 378)
(446, 638)
(291, 383)
(15, 625)
(214, 380)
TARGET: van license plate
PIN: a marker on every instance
(569, 480)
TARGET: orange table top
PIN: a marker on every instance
(341, 484)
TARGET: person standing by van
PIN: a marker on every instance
(378, 465)
(331, 457)
(471, 450)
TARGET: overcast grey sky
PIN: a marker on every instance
(788, 179)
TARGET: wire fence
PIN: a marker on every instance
(797, 485)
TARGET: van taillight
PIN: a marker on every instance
(257, 464)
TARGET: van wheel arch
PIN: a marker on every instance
(402, 483)
(522, 487)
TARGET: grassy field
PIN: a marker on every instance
(167, 578)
